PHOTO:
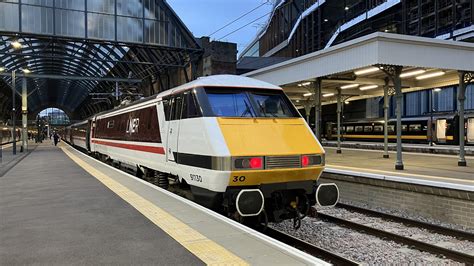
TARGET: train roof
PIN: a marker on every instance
(222, 81)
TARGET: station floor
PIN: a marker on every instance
(59, 206)
(432, 167)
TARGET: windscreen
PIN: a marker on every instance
(250, 103)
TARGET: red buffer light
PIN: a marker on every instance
(256, 162)
(304, 160)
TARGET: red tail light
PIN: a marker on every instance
(256, 163)
(304, 160)
(248, 163)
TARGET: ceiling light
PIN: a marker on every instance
(328, 94)
(369, 87)
(437, 89)
(26, 71)
(16, 44)
(2, 69)
(346, 102)
(297, 101)
(412, 73)
(304, 84)
(350, 86)
(431, 75)
(346, 8)
(366, 71)
(307, 94)
(325, 20)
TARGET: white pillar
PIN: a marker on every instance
(461, 100)
(24, 113)
(398, 95)
(385, 118)
(339, 110)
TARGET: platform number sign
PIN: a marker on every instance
(132, 125)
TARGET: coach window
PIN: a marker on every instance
(378, 128)
(391, 128)
(350, 129)
(359, 128)
(367, 128)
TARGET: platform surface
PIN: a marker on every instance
(59, 206)
(431, 167)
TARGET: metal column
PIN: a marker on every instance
(385, 119)
(393, 73)
(339, 110)
(464, 79)
(398, 96)
(317, 106)
(24, 113)
(308, 105)
(14, 111)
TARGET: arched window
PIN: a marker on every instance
(54, 116)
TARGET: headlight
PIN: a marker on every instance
(245, 163)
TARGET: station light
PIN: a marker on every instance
(412, 73)
(369, 87)
(437, 90)
(26, 71)
(16, 44)
(307, 94)
(326, 20)
(2, 69)
(346, 8)
(350, 86)
(304, 84)
(366, 71)
(431, 75)
(346, 102)
(328, 95)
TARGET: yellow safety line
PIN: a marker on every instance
(399, 174)
(205, 249)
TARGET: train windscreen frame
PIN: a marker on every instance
(249, 103)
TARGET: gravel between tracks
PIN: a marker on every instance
(420, 234)
(405, 214)
(360, 247)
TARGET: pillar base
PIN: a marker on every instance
(339, 151)
(399, 167)
(462, 163)
(386, 156)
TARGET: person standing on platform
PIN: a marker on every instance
(56, 138)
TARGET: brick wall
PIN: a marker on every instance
(445, 205)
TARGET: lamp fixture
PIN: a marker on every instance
(304, 84)
(350, 86)
(437, 90)
(2, 69)
(16, 44)
(26, 71)
(366, 71)
(412, 73)
(369, 87)
(346, 102)
(431, 75)
(328, 95)
(307, 94)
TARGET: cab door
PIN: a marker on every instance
(470, 131)
(173, 128)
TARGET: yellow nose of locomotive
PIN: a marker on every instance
(271, 150)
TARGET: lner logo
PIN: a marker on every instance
(132, 125)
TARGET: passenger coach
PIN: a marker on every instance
(238, 143)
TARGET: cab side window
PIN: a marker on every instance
(177, 104)
(190, 108)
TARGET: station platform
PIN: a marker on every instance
(436, 170)
(60, 206)
(407, 147)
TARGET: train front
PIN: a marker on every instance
(275, 158)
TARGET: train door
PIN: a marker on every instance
(88, 135)
(470, 130)
(173, 128)
(441, 130)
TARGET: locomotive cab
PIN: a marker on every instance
(267, 158)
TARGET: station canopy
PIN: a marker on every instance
(68, 49)
(354, 67)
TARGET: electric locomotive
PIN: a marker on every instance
(6, 135)
(239, 144)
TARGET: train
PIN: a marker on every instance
(444, 130)
(238, 144)
(6, 135)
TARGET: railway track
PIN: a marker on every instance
(311, 249)
(423, 246)
(410, 222)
